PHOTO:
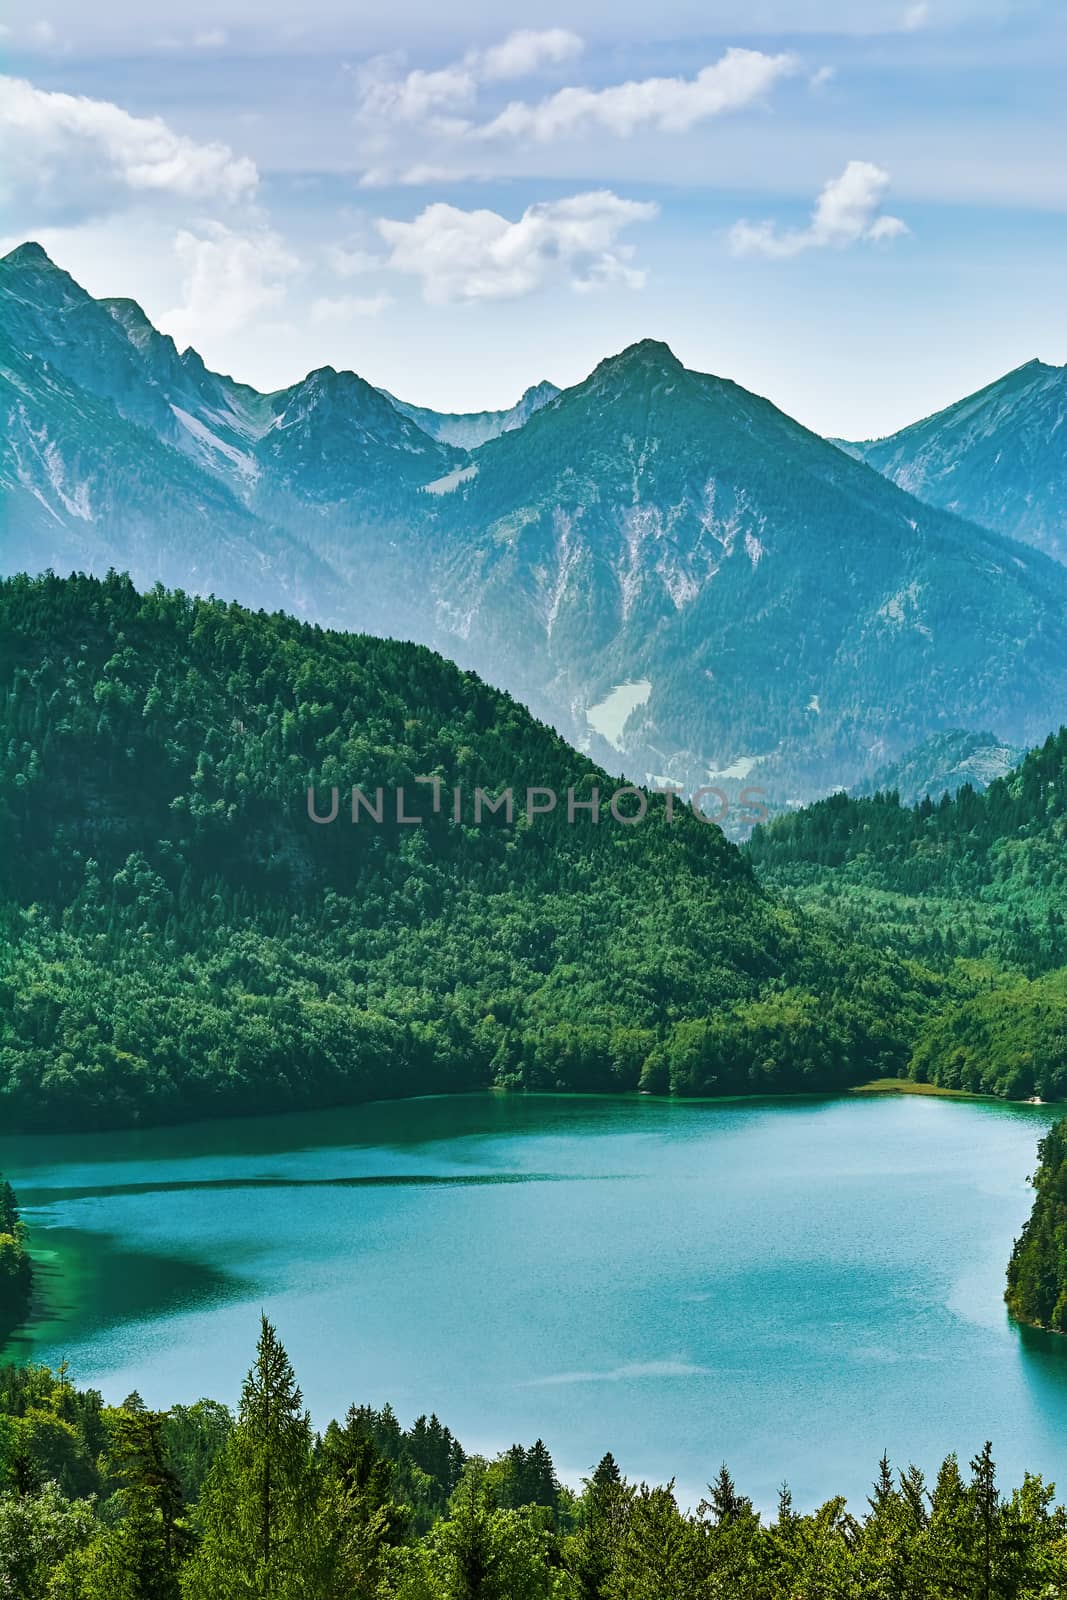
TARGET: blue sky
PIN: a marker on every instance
(857, 210)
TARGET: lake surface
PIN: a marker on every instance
(791, 1286)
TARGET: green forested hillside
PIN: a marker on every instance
(124, 1503)
(181, 940)
(974, 885)
(16, 1272)
(1037, 1272)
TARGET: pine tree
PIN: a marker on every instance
(589, 1553)
(258, 1515)
(139, 1559)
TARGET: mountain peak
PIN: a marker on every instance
(30, 254)
(648, 352)
(536, 390)
(646, 356)
(136, 324)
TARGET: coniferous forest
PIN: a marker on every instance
(194, 1503)
(16, 1271)
(1037, 1272)
(973, 887)
(181, 940)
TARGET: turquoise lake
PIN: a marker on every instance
(789, 1286)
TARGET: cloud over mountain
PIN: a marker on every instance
(480, 255)
(848, 210)
(72, 155)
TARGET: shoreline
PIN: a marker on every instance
(934, 1090)
(875, 1086)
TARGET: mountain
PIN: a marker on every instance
(776, 607)
(185, 938)
(101, 466)
(942, 764)
(468, 429)
(998, 457)
(673, 573)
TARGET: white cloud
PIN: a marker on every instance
(672, 105)
(210, 39)
(820, 78)
(345, 307)
(419, 174)
(848, 210)
(392, 96)
(69, 152)
(43, 33)
(917, 16)
(415, 96)
(229, 278)
(527, 50)
(350, 261)
(480, 255)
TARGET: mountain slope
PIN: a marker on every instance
(109, 349)
(121, 451)
(999, 457)
(81, 488)
(664, 566)
(942, 764)
(182, 939)
(468, 429)
(777, 599)
(974, 885)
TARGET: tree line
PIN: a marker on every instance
(1037, 1272)
(972, 887)
(194, 1503)
(16, 1271)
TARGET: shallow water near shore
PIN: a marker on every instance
(790, 1286)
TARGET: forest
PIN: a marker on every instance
(16, 1270)
(180, 940)
(1037, 1272)
(195, 1503)
(973, 888)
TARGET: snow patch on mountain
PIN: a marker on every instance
(610, 715)
(203, 435)
(568, 554)
(682, 586)
(451, 480)
(639, 525)
(74, 497)
(902, 609)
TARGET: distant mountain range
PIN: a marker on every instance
(942, 764)
(468, 429)
(998, 457)
(675, 574)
